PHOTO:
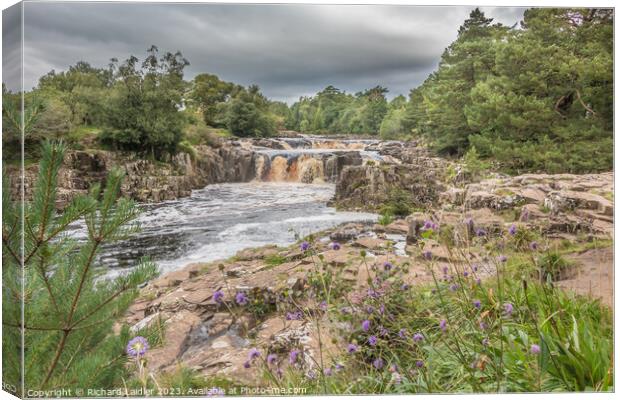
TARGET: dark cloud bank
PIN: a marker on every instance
(289, 50)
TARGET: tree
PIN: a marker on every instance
(143, 110)
(207, 91)
(67, 313)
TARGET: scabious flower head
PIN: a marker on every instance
(502, 258)
(334, 246)
(418, 337)
(478, 281)
(483, 326)
(427, 254)
(272, 358)
(454, 287)
(480, 232)
(339, 367)
(485, 342)
(366, 325)
(508, 308)
(137, 347)
(247, 364)
(311, 374)
(419, 363)
(512, 230)
(533, 246)
(218, 296)
(304, 246)
(292, 356)
(535, 349)
(372, 340)
(443, 325)
(402, 333)
(254, 353)
(404, 287)
(383, 331)
(351, 348)
(328, 372)
(477, 303)
(294, 316)
(474, 268)
(323, 305)
(465, 274)
(241, 298)
(387, 266)
(378, 363)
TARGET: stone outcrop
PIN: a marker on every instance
(369, 186)
(146, 180)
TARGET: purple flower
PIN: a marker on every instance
(418, 337)
(508, 308)
(137, 347)
(512, 230)
(370, 309)
(465, 274)
(474, 268)
(372, 340)
(480, 232)
(427, 254)
(419, 363)
(428, 225)
(443, 325)
(334, 246)
(404, 287)
(254, 353)
(483, 326)
(339, 367)
(323, 306)
(485, 342)
(241, 298)
(502, 258)
(533, 246)
(272, 358)
(218, 297)
(328, 372)
(304, 246)
(366, 325)
(453, 287)
(402, 333)
(478, 281)
(294, 316)
(477, 304)
(377, 363)
(247, 364)
(351, 348)
(387, 266)
(383, 331)
(311, 374)
(445, 270)
(292, 356)
(535, 349)
(397, 378)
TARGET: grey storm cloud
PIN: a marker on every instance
(288, 50)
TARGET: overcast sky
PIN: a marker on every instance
(288, 50)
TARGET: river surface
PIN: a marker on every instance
(219, 220)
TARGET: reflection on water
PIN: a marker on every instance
(219, 220)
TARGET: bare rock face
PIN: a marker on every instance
(145, 180)
(369, 186)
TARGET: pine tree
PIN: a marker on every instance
(68, 309)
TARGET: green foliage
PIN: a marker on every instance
(68, 313)
(473, 164)
(537, 98)
(398, 204)
(142, 111)
(385, 218)
(334, 111)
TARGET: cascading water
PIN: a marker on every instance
(287, 199)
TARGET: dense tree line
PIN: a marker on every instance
(533, 97)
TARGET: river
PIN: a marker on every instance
(219, 220)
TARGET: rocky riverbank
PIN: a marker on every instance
(567, 215)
